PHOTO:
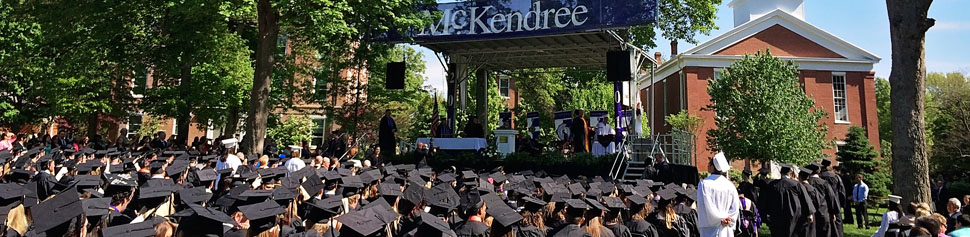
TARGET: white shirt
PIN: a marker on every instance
(232, 162)
(604, 129)
(716, 199)
(889, 217)
(294, 164)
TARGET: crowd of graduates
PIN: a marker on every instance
(51, 190)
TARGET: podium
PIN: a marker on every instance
(505, 141)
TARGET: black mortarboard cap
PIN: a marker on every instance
(576, 204)
(96, 206)
(468, 174)
(140, 229)
(313, 185)
(156, 188)
(637, 200)
(433, 226)
(443, 197)
(323, 209)
(383, 210)
(206, 175)
(504, 215)
(498, 177)
(803, 170)
(414, 194)
(11, 191)
(194, 195)
(87, 180)
(533, 204)
(596, 204)
(177, 167)
(351, 182)
(576, 189)
(55, 211)
(559, 197)
(614, 203)
(667, 194)
(814, 167)
(826, 162)
(471, 201)
(255, 196)
(262, 216)
(360, 223)
(390, 189)
(447, 177)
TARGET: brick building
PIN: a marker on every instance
(315, 110)
(836, 74)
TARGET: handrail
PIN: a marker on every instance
(617, 162)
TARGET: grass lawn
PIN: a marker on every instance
(875, 217)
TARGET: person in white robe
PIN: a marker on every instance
(230, 160)
(602, 129)
(295, 162)
(717, 201)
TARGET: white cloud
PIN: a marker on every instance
(951, 25)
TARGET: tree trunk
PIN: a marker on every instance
(232, 121)
(481, 95)
(93, 123)
(908, 24)
(184, 113)
(268, 24)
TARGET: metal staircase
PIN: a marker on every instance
(637, 154)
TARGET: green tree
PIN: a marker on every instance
(858, 156)
(762, 113)
(678, 20)
(293, 131)
(948, 124)
(19, 67)
(685, 121)
(883, 109)
(340, 30)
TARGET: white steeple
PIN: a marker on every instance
(747, 10)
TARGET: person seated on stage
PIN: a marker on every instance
(474, 128)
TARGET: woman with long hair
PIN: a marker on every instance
(613, 218)
(666, 220)
(532, 224)
(890, 219)
(640, 209)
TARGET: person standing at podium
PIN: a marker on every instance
(580, 132)
(386, 132)
(474, 128)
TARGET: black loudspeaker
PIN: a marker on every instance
(395, 75)
(618, 66)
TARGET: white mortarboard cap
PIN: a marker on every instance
(895, 199)
(295, 148)
(721, 163)
(230, 143)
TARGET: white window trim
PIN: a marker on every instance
(845, 97)
(140, 123)
(508, 85)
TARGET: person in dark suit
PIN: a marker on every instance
(159, 142)
(580, 132)
(386, 131)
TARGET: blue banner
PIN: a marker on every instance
(496, 19)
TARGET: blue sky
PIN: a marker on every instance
(862, 22)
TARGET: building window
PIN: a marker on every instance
(317, 134)
(718, 72)
(175, 127)
(134, 125)
(838, 96)
(503, 86)
(140, 82)
(281, 42)
(839, 145)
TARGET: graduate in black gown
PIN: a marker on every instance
(666, 219)
(612, 219)
(825, 221)
(385, 137)
(787, 204)
(838, 188)
(532, 224)
(46, 182)
(474, 215)
(815, 200)
(640, 209)
(575, 212)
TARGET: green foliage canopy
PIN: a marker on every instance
(762, 113)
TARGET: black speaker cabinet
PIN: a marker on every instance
(395, 75)
(618, 66)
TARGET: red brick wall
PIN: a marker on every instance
(860, 93)
(782, 42)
